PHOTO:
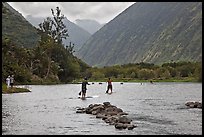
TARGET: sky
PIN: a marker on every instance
(102, 12)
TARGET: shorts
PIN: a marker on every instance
(109, 86)
(83, 91)
(11, 84)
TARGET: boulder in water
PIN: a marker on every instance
(110, 114)
(193, 104)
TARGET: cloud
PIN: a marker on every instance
(99, 11)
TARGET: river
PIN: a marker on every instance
(156, 109)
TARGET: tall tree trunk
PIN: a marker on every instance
(48, 67)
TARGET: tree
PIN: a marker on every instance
(198, 71)
(60, 30)
(55, 27)
(46, 28)
(98, 75)
(166, 74)
(42, 61)
(70, 48)
(145, 74)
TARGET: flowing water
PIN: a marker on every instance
(156, 109)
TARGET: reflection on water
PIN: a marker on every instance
(156, 109)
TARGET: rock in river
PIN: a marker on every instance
(110, 114)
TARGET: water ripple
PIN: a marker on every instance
(152, 119)
(157, 110)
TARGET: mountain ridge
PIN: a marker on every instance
(77, 35)
(20, 32)
(152, 32)
(89, 25)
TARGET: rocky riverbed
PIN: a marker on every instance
(110, 114)
(194, 104)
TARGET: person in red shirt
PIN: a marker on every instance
(110, 87)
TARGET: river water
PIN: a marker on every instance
(156, 109)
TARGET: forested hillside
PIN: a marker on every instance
(46, 61)
(17, 29)
(151, 32)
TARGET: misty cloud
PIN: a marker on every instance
(99, 11)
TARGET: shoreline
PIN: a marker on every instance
(17, 89)
(130, 81)
(14, 90)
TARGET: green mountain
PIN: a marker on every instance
(16, 28)
(151, 32)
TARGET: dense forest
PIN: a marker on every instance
(173, 71)
(48, 62)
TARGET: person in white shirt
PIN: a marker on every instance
(8, 81)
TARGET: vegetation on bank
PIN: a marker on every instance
(139, 72)
(6, 90)
(50, 63)
(139, 80)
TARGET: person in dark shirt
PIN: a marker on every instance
(84, 83)
(12, 81)
(110, 87)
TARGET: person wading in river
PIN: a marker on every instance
(83, 91)
(110, 87)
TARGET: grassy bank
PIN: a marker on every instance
(78, 81)
(187, 79)
(6, 90)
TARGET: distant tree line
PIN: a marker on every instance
(148, 71)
